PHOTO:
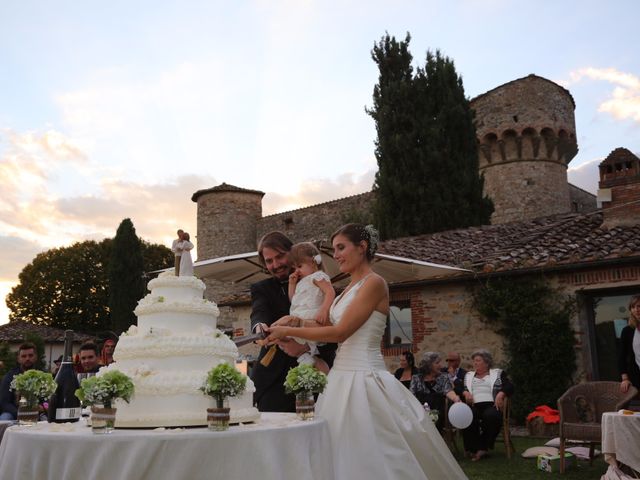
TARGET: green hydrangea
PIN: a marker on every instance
(305, 378)
(34, 385)
(104, 389)
(224, 381)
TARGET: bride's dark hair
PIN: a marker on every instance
(357, 233)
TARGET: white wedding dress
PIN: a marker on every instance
(378, 428)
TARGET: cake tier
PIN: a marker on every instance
(161, 350)
(184, 410)
(180, 289)
(177, 318)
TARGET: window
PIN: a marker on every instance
(399, 329)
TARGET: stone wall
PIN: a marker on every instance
(581, 200)
(318, 222)
(541, 190)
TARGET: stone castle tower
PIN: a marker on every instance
(228, 218)
(527, 137)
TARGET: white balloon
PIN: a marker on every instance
(460, 415)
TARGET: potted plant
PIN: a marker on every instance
(304, 381)
(32, 387)
(100, 392)
(222, 382)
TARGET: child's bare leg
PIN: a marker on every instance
(320, 364)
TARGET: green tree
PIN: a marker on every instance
(126, 284)
(7, 358)
(64, 288)
(427, 177)
(68, 287)
(535, 321)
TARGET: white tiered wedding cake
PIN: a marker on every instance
(169, 354)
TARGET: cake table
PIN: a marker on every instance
(278, 446)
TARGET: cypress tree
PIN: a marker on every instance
(427, 177)
(126, 285)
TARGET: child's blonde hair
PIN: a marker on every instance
(303, 251)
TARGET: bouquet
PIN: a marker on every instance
(224, 381)
(104, 389)
(34, 386)
(305, 378)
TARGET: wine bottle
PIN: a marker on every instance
(64, 406)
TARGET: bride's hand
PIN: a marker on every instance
(276, 332)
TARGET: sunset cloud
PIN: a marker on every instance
(624, 100)
(316, 191)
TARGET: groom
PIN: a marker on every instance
(269, 302)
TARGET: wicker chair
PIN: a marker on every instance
(581, 408)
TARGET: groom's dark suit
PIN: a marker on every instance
(269, 302)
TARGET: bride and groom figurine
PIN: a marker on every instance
(182, 247)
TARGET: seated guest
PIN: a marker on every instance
(27, 358)
(89, 358)
(629, 354)
(485, 389)
(106, 355)
(455, 372)
(431, 385)
(407, 368)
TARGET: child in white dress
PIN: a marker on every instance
(311, 295)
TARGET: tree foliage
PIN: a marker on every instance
(427, 177)
(535, 321)
(126, 284)
(68, 287)
(7, 358)
(64, 288)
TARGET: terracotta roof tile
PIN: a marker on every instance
(544, 242)
(14, 332)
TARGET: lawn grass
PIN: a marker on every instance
(498, 467)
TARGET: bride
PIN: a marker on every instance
(378, 429)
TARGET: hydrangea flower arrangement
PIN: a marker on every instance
(104, 389)
(224, 381)
(34, 386)
(305, 378)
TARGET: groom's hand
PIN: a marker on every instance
(292, 348)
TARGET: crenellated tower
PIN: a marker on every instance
(526, 137)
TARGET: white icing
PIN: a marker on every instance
(169, 354)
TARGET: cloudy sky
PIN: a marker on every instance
(123, 109)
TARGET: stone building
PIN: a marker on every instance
(543, 225)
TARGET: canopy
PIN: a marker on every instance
(246, 267)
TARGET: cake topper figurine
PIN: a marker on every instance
(184, 246)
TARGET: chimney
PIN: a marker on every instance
(619, 189)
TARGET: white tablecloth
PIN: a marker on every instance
(279, 446)
(621, 439)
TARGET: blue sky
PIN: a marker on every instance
(123, 109)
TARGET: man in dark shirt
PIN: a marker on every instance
(455, 372)
(269, 302)
(89, 360)
(27, 357)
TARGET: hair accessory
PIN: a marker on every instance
(373, 239)
(318, 259)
